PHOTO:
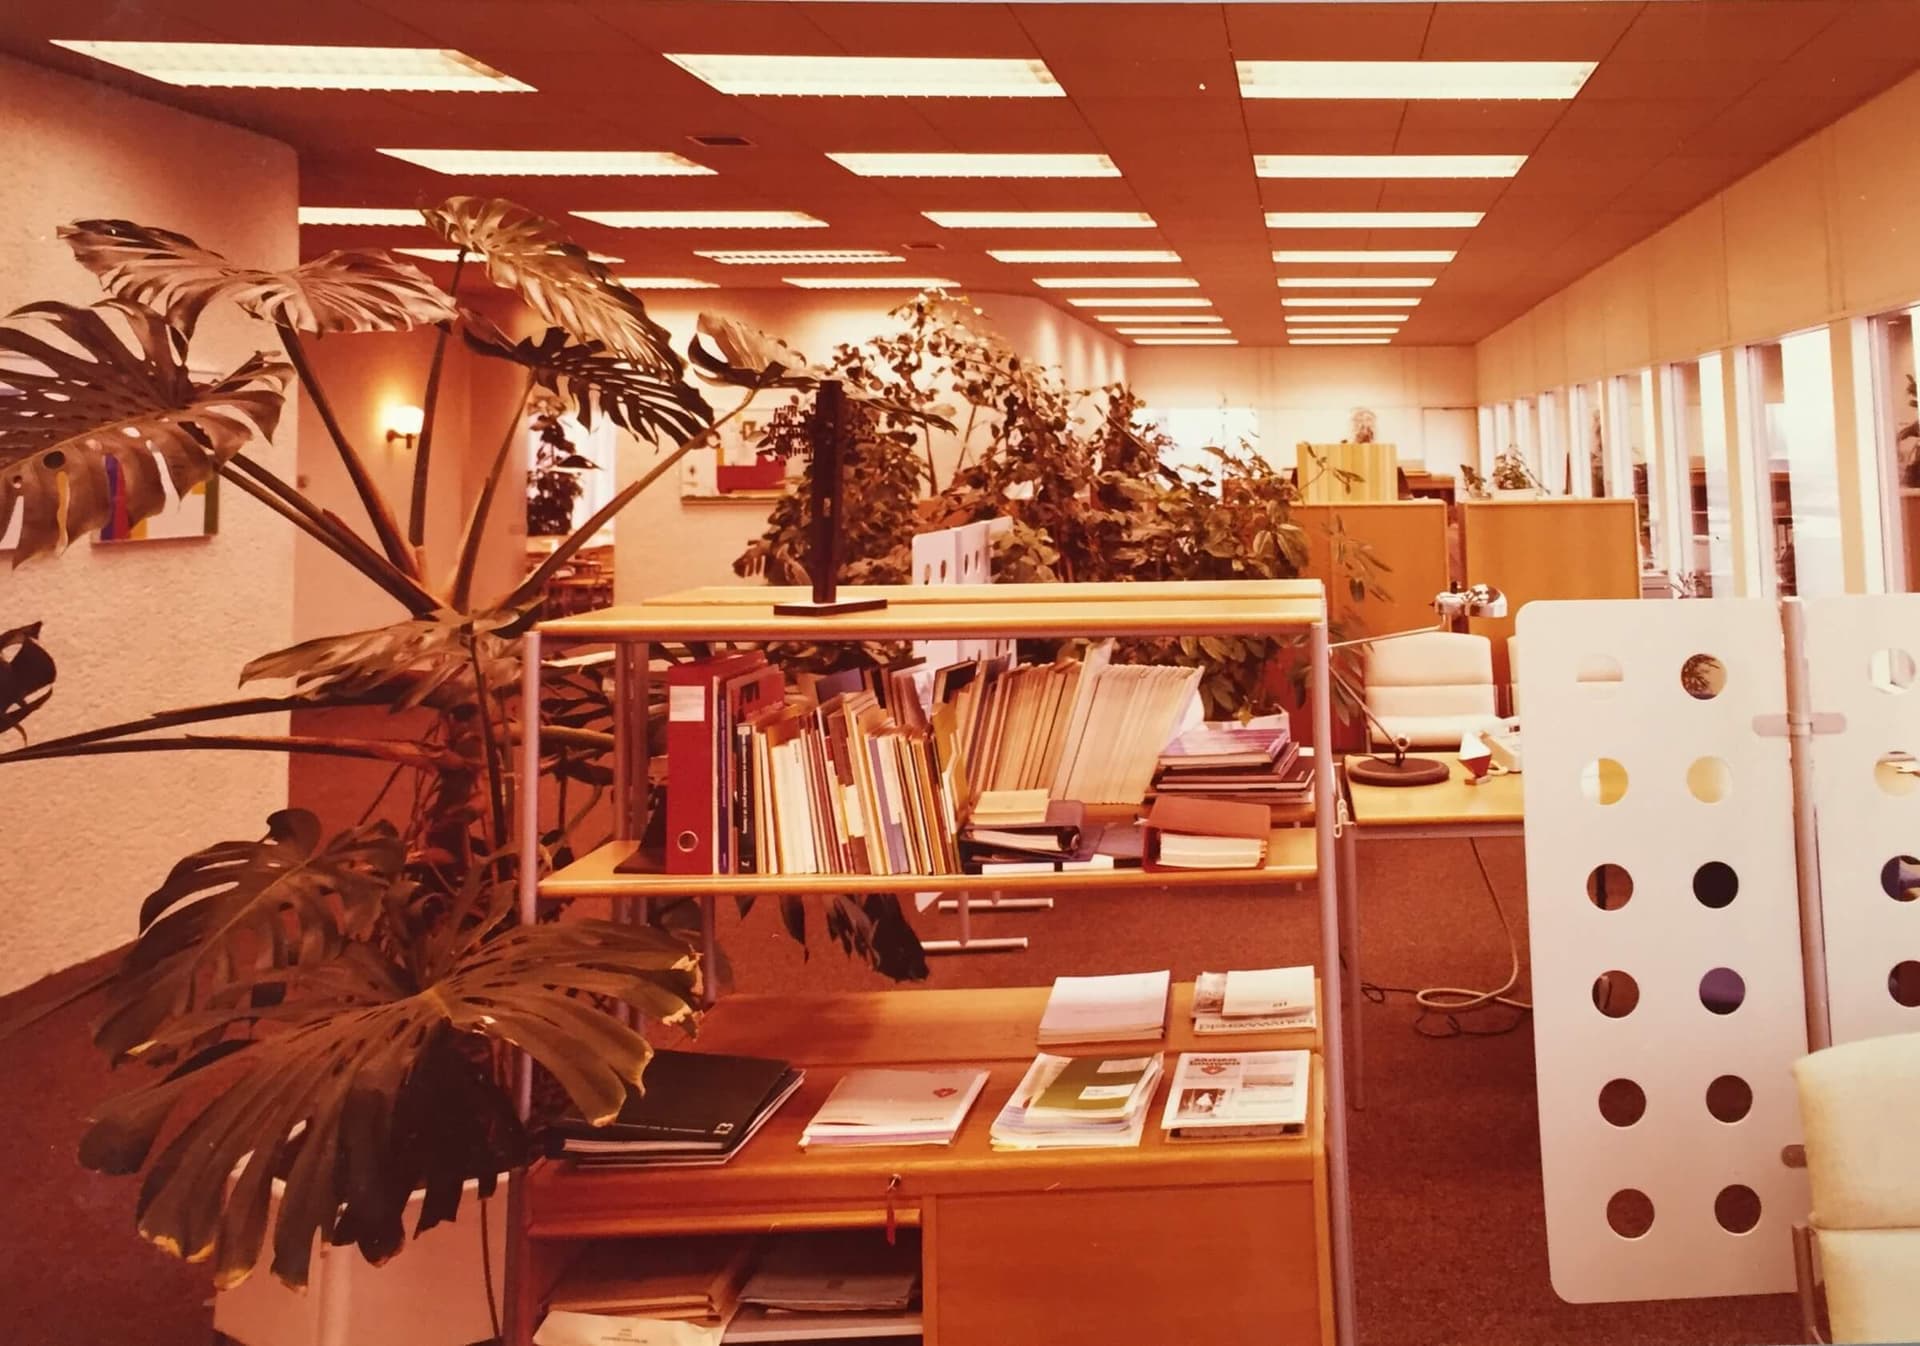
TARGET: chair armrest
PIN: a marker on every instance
(1806, 1284)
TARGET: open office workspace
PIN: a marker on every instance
(709, 671)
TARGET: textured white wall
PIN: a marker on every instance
(147, 626)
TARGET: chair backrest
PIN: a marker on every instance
(1433, 673)
(1859, 1105)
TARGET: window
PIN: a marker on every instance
(1700, 495)
(1897, 426)
(1554, 466)
(1587, 445)
(1630, 434)
(1526, 433)
(1791, 383)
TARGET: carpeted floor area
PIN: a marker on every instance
(1450, 1241)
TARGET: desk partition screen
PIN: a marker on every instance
(1664, 923)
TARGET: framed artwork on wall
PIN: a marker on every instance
(193, 515)
(734, 468)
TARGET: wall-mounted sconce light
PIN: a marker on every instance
(404, 423)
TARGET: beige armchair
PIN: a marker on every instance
(1860, 1108)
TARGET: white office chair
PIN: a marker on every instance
(1431, 688)
(1858, 1106)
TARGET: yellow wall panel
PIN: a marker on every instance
(1689, 282)
(1777, 246)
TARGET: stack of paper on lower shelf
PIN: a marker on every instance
(1128, 1007)
(834, 1286)
(681, 1292)
(895, 1107)
(1265, 1000)
(1237, 1096)
(1076, 1102)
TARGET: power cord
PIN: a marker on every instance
(1448, 1003)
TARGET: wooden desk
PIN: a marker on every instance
(1455, 808)
(1019, 1249)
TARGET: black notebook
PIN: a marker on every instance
(694, 1102)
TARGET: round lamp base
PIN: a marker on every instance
(1383, 771)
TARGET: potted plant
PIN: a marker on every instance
(330, 1016)
(1513, 479)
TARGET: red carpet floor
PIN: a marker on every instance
(1449, 1230)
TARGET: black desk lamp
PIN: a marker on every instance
(1479, 600)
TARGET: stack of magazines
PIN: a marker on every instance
(1079, 1102)
(1257, 762)
(691, 1108)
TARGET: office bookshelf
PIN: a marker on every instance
(1251, 1238)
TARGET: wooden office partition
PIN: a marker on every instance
(1374, 468)
(1550, 548)
(1408, 536)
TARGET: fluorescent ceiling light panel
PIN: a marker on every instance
(1364, 256)
(1040, 219)
(1109, 256)
(1387, 165)
(702, 219)
(1201, 318)
(943, 165)
(1342, 331)
(1185, 341)
(1140, 301)
(872, 76)
(1352, 301)
(1318, 317)
(872, 282)
(555, 163)
(665, 283)
(1171, 331)
(1397, 80)
(796, 256)
(1115, 283)
(1374, 219)
(453, 254)
(380, 215)
(1338, 341)
(255, 65)
(1355, 282)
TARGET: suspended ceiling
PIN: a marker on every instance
(1688, 96)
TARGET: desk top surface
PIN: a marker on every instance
(1454, 801)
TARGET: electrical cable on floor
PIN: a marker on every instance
(1448, 1003)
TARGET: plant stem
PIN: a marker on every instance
(257, 705)
(384, 526)
(476, 524)
(324, 747)
(423, 448)
(490, 755)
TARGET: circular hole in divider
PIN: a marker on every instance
(1609, 887)
(1903, 983)
(1703, 677)
(1709, 780)
(1900, 878)
(1603, 781)
(1729, 1098)
(1722, 990)
(1737, 1208)
(1629, 1213)
(1896, 773)
(1715, 884)
(1599, 673)
(1622, 1102)
(1615, 994)
(1891, 670)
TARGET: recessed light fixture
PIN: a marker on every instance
(1040, 219)
(1374, 219)
(1354, 282)
(1108, 256)
(257, 65)
(703, 219)
(665, 283)
(1398, 80)
(872, 282)
(1140, 301)
(1351, 301)
(1115, 283)
(453, 254)
(1171, 331)
(1185, 341)
(1364, 256)
(943, 165)
(360, 215)
(871, 76)
(795, 256)
(1387, 165)
(1339, 341)
(1342, 331)
(1315, 316)
(555, 163)
(1198, 318)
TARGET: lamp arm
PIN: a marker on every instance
(1399, 741)
(1440, 625)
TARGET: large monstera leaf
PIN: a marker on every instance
(730, 352)
(96, 412)
(353, 291)
(26, 675)
(241, 909)
(350, 1087)
(652, 405)
(427, 661)
(559, 280)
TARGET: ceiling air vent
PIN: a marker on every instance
(924, 247)
(722, 142)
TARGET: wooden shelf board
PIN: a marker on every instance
(1249, 608)
(1291, 858)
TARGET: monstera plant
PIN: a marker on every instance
(335, 1012)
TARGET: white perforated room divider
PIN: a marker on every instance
(1860, 657)
(1664, 920)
